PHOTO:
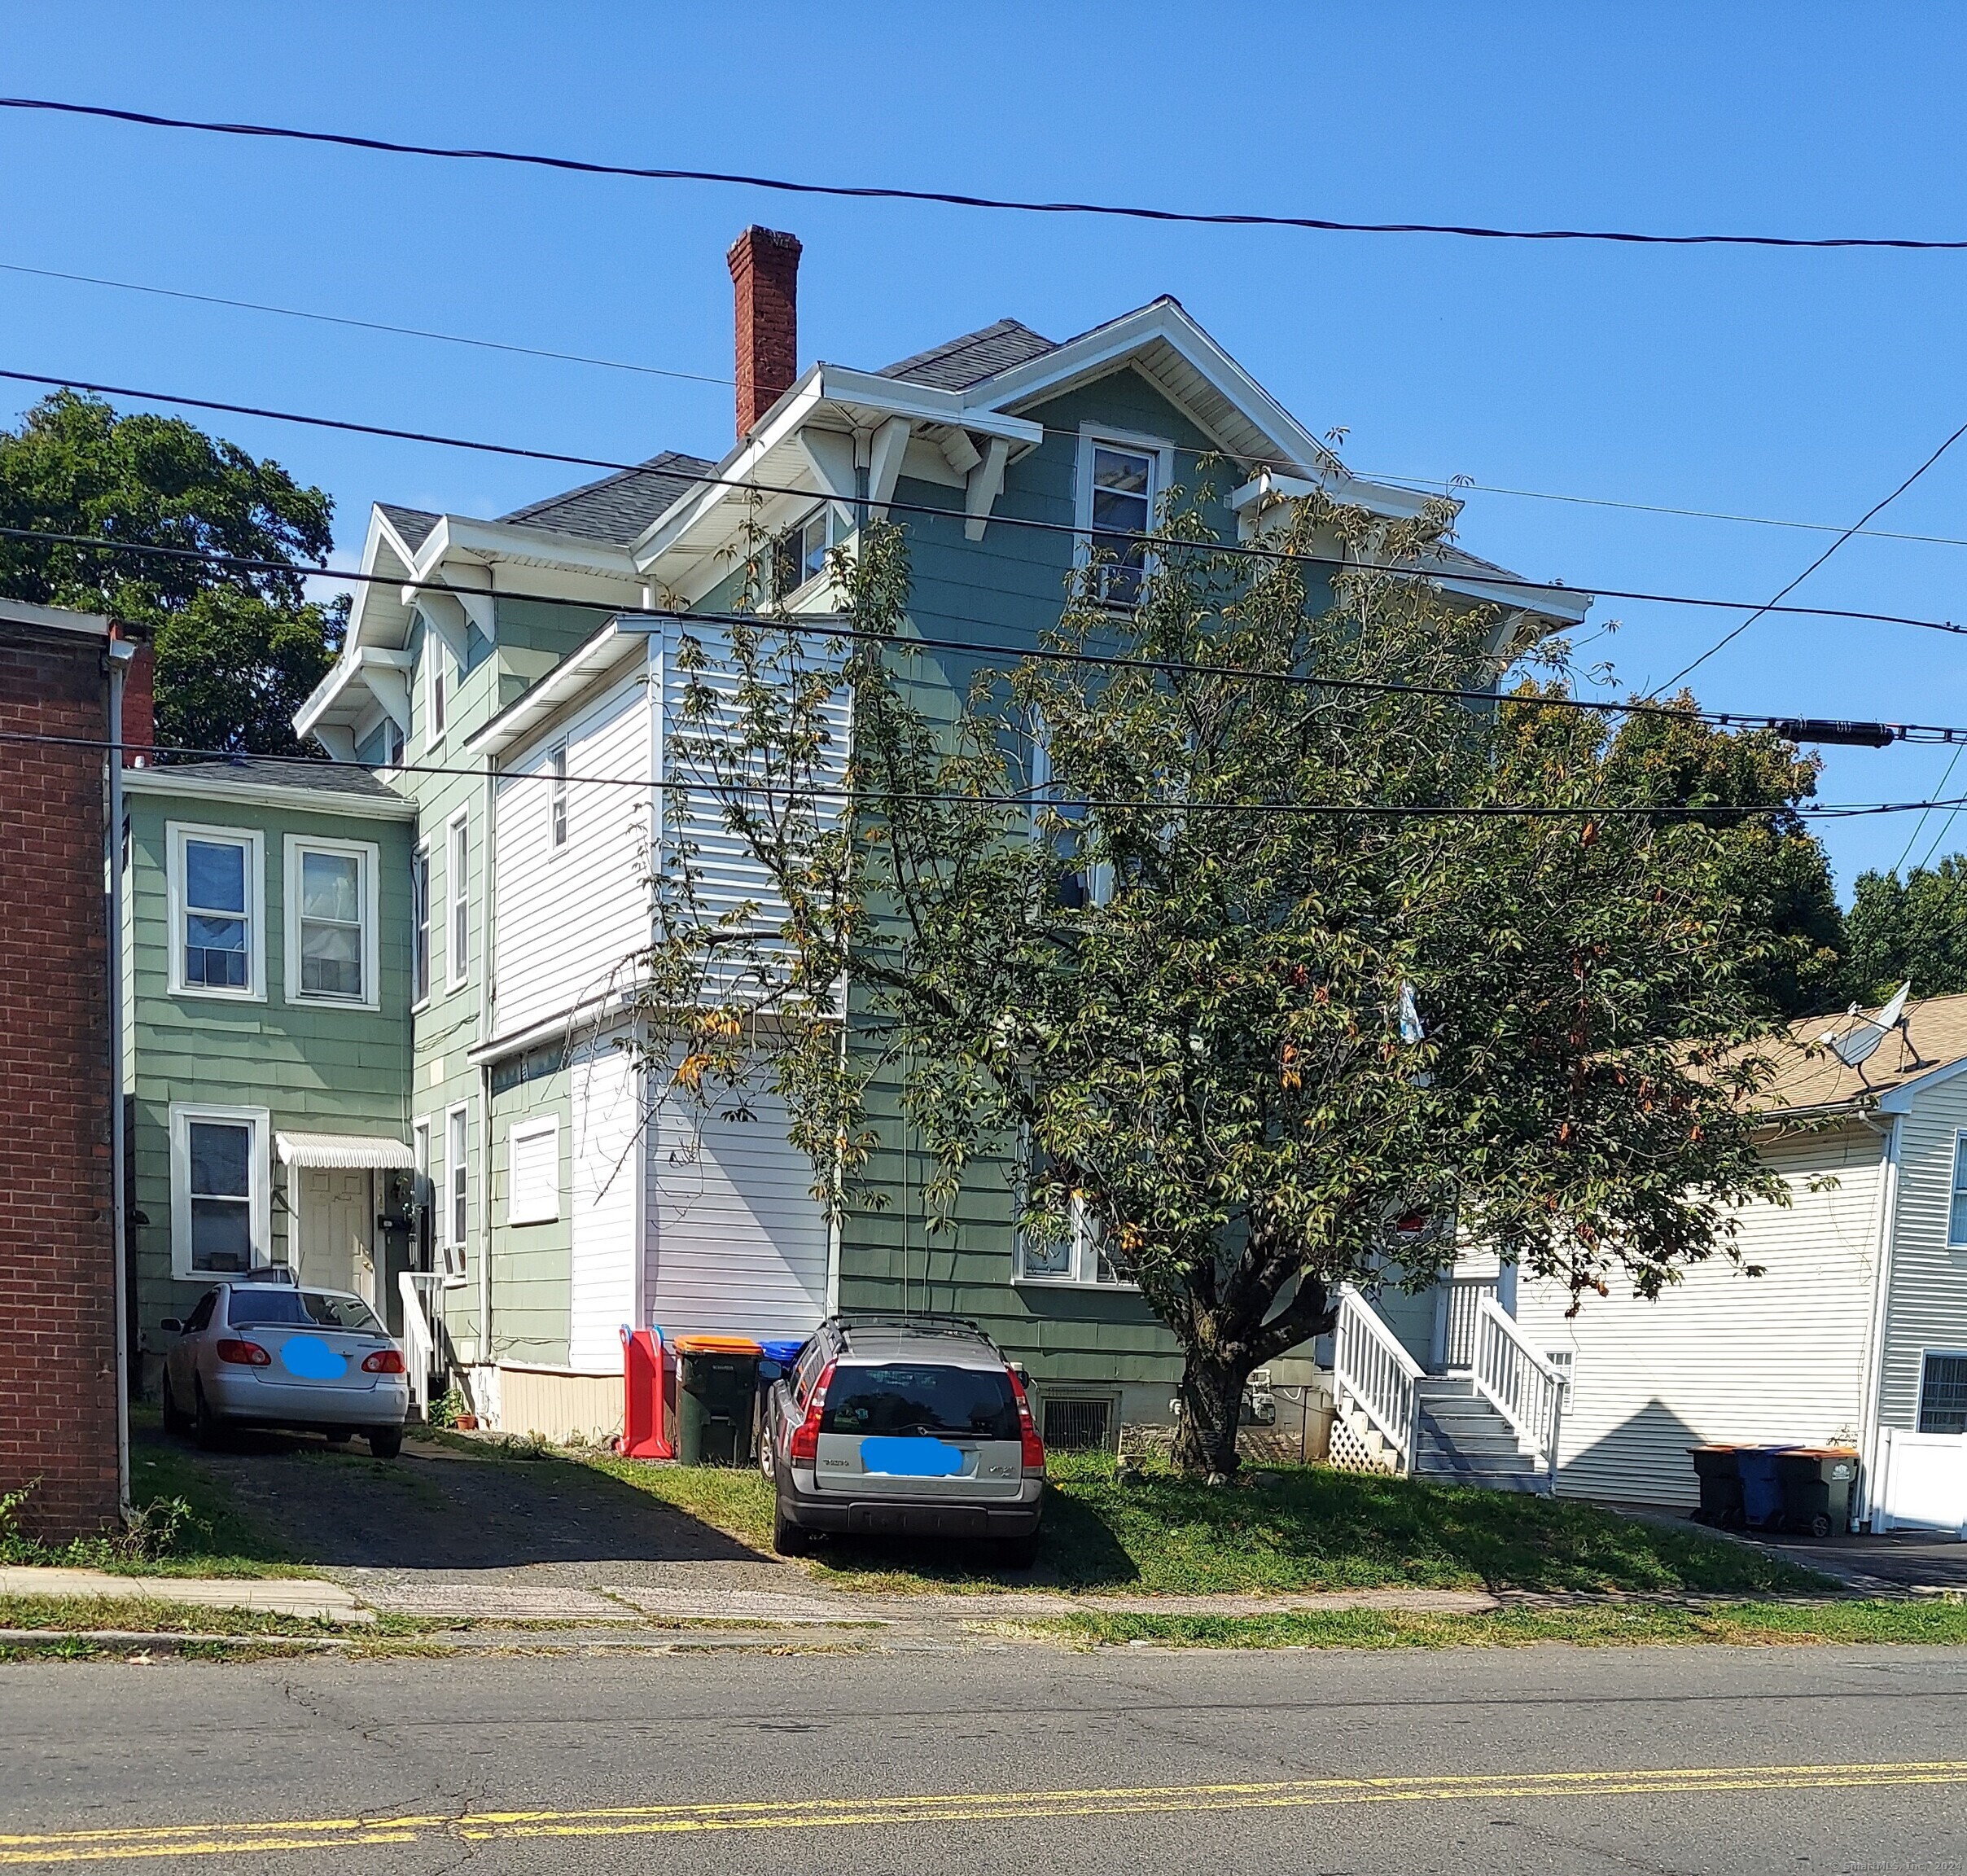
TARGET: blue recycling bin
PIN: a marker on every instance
(783, 1349)
(1761, 1487)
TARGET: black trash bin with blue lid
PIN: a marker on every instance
(1762, 1503)
(1816, 1484)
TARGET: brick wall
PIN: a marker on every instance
(58, 1397)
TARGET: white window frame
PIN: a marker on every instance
(438, 693)
(1082, 1270)
(177, 834)
(1091, 436)
(457, 1183)
(1957, 1189)
(458, 900)
(556, 796)
(520, 1131)
(260, 1183)
(423, 927)
(370, 855)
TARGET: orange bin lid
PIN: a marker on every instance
(716, 1345)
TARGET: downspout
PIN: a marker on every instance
(1883, 1231)
(488, 846)
(121, 651)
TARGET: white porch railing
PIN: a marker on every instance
(1372, 1371)
(1519, 1383)
(420, 1340)
(1458, 1300)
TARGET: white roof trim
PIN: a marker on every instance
(54, 618)
(345, 1149)
(612, 645)
(167, 781)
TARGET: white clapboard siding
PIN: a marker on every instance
(571, 921)
(729, 876)
(1722, 1355)
(1928, 1303)
(736, 1240)
(605, 1159)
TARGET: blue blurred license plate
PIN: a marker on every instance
(912, 1458)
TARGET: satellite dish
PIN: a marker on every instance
(1859, 1045)
(1890, 1014)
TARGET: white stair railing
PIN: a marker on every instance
(1520, 1384)
(419, 1342)
(1372, 1371)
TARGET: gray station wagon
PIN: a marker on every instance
(910, 1426)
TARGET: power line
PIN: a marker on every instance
(1795, 729)
(1480, 574)
(1728, 637)
(1450, 486)
(1033, 798)
(954, 199)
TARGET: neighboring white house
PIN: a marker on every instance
(1856, 1335)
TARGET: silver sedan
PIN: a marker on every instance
(273, 1354)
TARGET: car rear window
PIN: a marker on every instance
(906, 1397)
(267, 1308)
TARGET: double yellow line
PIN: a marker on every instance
(337, 1834)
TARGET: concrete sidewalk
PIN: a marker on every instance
(282, 1595)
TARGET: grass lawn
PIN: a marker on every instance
(1742, 1624)
(1302, 1528)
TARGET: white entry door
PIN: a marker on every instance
(334, 1231)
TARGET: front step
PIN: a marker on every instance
(1465, 1441)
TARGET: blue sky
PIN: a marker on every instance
(1794, 386)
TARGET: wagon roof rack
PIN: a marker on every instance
(900, 1319)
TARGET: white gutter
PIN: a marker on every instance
(121, 651)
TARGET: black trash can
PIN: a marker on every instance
(1816, 1484)
(716, 1393)
(1720, 1476)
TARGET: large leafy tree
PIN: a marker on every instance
(238, 648)
(1154, 924)
(1913, 928)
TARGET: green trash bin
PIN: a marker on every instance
(1816, 1484)
(717, 1386)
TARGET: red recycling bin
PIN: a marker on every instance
(648, 1407)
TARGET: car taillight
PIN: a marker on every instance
(244, 1354)
(1027, 1428)
(383, 1361)
(804, 1449)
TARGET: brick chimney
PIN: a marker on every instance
(765, 273)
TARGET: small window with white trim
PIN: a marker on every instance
(436, 679)
(556, 764)
(456, 1178)
(800, 553)
(532, 1171)
(217, 893)
(1119, 482)
(219, 1196)
(457, 887)
(1956, 1214)
(331, 920)
(422, 1209)
(1942, 1391)
(420, 925)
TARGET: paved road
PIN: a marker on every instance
(1533, 1760)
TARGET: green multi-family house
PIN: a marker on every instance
(512, 684)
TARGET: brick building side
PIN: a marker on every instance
(57, 1382)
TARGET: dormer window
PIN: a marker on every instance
(1120, 479)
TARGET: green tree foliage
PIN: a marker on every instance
(1912, 928)
(1775, 867)
(1169, 962)
(238, 649)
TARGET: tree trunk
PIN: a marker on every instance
(1212, 1404)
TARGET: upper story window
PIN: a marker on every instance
(436, 679)
(800, 553)
(331, 919)
(1957, 1215)
(1079, 1257)
(557, 766)
(457, 1178)
(1120, 479)
(216, 894)
(457, 886)
(420, 925)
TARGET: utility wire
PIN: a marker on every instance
(1479, 574)
(954, 199)
(1451, 487)
(1796, 728)
(1036, 797)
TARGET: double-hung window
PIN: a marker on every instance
(456, 1179)
(457, 888)
(800, 553)
(331, 921)
(557, 767)
(1119, 482)
(436, 679)
(219, 1203)
(419, 925)
(1079, 1257)
(217, 890)
(1956, 1214)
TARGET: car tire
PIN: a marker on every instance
(788, 1540)
(385, 1442)
(207, 1428)
(175, 1420)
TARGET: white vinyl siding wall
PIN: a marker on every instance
(572, 919)
(1722, 1355)
(605, 1168)
(1927, 1307)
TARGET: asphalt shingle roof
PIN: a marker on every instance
(1808, 1076)
(619, 506)
(957, 364)
(331, 778)
(413, 525)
